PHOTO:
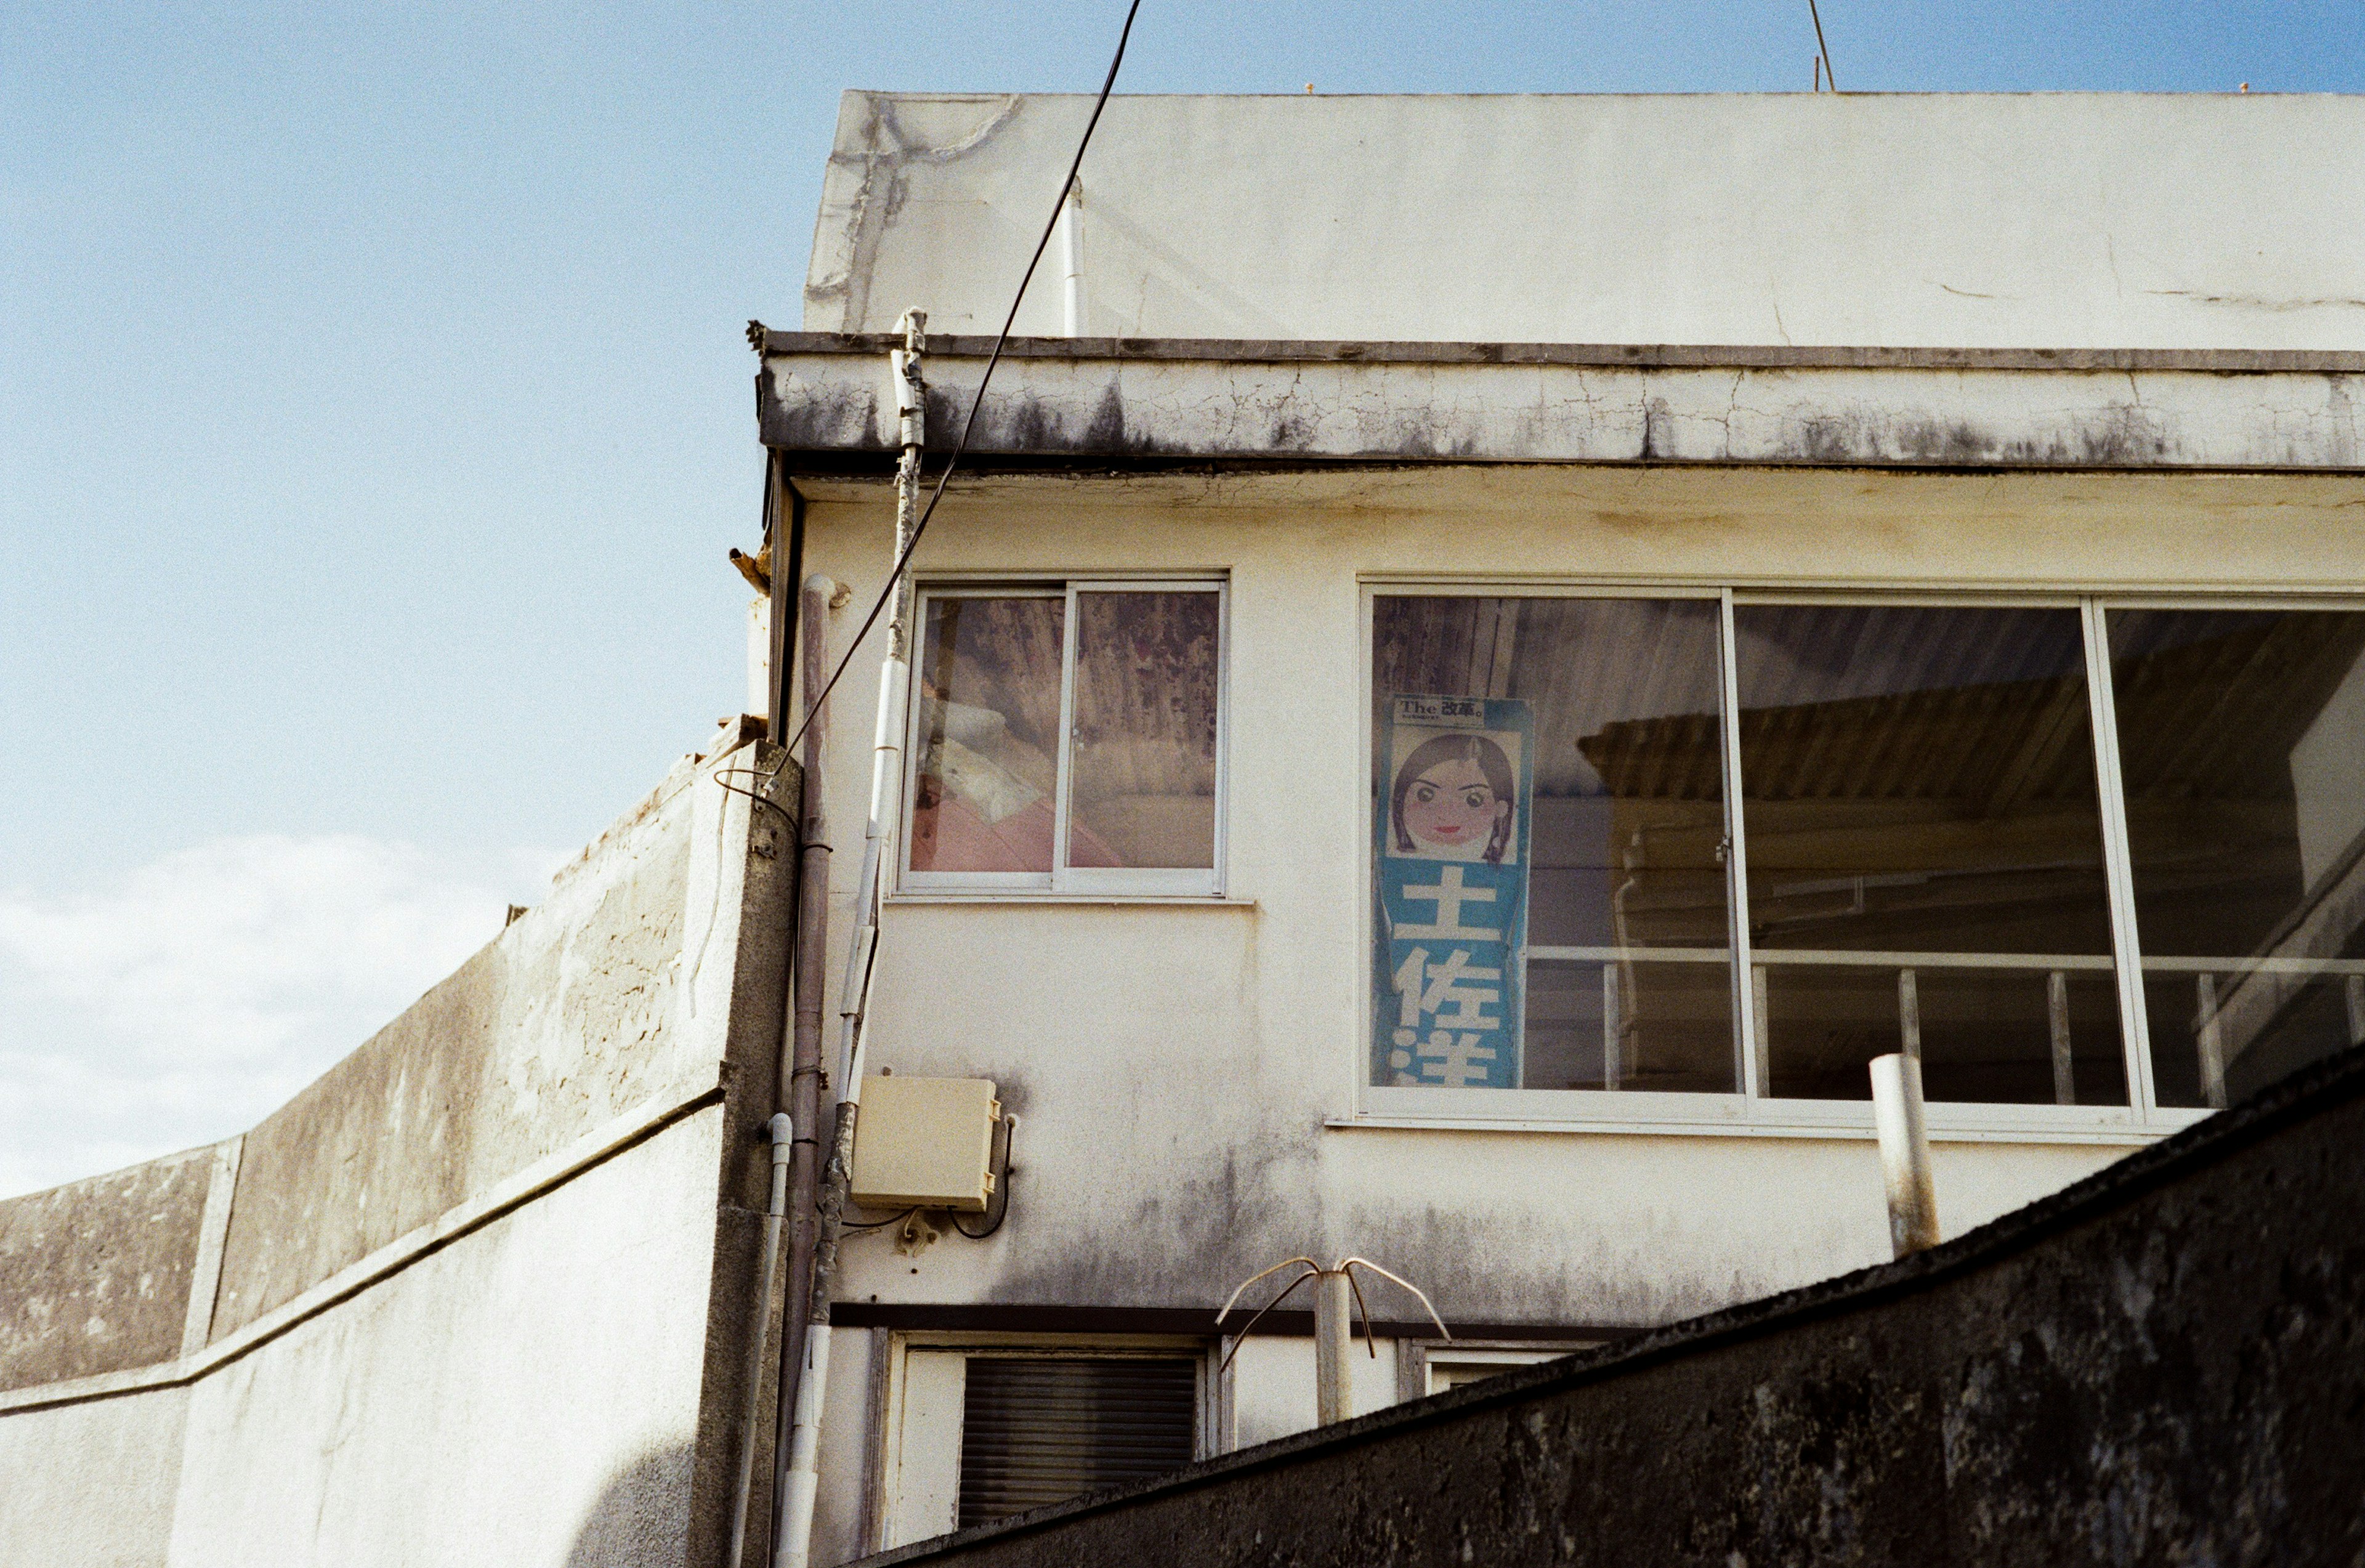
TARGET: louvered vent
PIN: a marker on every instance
(1041, 1431)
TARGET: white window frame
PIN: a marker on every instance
(906, 1462)
(1419, 1362)
(1062, 880)
(2142, 1120)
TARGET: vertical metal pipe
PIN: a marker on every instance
(783, 1139)
(2356, 989)
(1761, 1015)
(1909, 1013)
(803, 1089)
(1904, 1153)
(1334, 1399)
(2209, 1041)
(2056, 1017)
(1613, 1026)
(802, 1478)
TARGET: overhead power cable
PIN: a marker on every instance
(887, 592)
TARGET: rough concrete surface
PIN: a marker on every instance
(94, 1274)
(557, 1024)
(2164, 1364)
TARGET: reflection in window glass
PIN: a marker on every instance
(1924, 850)
(1548, 804)
(989, 725)
(2242, 747)
(1144, 788)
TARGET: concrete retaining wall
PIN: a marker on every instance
(480, 1294)
(2165, 1363)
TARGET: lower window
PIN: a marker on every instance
(979, 1434)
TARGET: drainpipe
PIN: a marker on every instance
(803, 1476)
(1072, 258)
(782, 1136)
(802, 1091)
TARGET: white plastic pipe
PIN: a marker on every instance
(1904, 1153)
(1071, 260)
(1334, 1397)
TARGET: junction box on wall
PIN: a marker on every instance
(925, 1143)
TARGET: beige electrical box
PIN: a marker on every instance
(925, 1143)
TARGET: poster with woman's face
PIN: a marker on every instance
(1451, 839)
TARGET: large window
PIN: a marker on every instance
(1066, 738)
(1703, 857)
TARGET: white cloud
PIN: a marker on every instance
(184, 1002)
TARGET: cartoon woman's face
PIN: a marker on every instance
(1451, 806)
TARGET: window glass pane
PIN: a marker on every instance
(1548, 803)
(2242, 745)
(1144, 790)
(1925, 852)
(989, 696)
(1036, 1431)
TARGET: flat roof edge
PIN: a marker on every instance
(1688, 356)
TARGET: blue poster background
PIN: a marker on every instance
(1447, 992)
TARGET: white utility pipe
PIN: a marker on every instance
(802, 1478)
(1904, 1153)
(1071, 259)
(783, 1142)
(1334, 1398)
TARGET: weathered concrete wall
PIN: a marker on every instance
(484, 1288)
(2019, 220)
(2165, 1364)
(1191, 1072)
(91, 1484)
(570, 1017)
(1184, 402)
(476, 1406)
(94, 1276)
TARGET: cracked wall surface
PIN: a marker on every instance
(2009, 220)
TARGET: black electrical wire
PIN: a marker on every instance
(970, 424)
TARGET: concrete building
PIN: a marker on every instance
(1488, 654)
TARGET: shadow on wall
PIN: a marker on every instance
(642, 1519)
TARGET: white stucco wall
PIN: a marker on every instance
(91, 1485)
(2007, 221)
(481, 1405)
(1178, 1067)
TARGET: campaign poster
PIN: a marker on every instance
(1451, 835)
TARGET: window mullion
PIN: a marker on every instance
(1752, 1049)
(1063, 763)
(2118, 863)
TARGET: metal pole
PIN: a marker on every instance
(783, 1137)
(2057, 1019)
(1904, 1153)
(802, 1478)
(803, 1091)
(1334, 1400)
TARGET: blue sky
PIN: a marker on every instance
(374, 415)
